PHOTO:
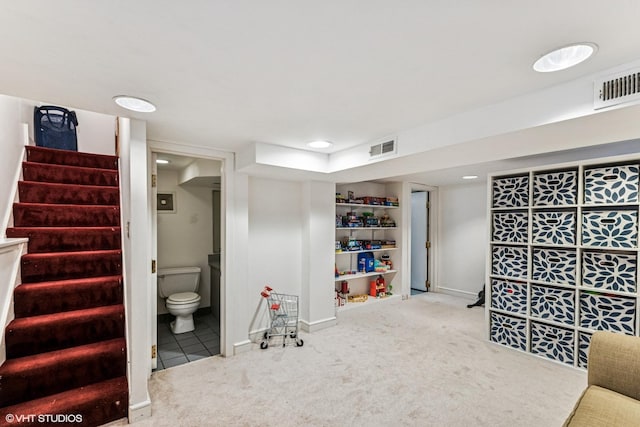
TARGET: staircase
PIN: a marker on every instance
(66, 351)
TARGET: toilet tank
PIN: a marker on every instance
(178, 279)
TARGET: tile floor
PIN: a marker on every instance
(174, 350)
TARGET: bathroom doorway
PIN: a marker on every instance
(187, 231)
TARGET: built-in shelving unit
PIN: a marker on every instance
(367, 243)
(563, 256)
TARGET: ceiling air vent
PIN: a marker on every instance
(616, 89)
(382, 149)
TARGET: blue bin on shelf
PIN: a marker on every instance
(366, 262)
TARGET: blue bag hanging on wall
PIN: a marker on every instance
(55, 127)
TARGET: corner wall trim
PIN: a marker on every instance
(457, 292)
(140, 411)
(318, 324)
(242, 347)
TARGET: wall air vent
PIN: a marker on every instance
(382, 149)
(616, 89)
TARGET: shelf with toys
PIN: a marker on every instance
(364, 302)
(359, 251)
(357, 275)
(366, 243)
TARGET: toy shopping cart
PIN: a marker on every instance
(283, 312)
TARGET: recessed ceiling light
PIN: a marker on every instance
(470, 177)
(162, 162)
(565, 57)
(134, 104)
(320, 144)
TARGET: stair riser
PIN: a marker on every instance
(37, 269)
(68, 175)
(59, 335)
(70, 158)
(32, 192)
(63, 375)
(38, 300)
(64, 216)
(68, 240)
(96, 404)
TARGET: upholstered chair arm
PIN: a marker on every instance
(614, 363)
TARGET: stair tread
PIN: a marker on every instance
(45, 229)
(35, 149)
(88, 401)
(69, 239)
(46, 172)
(46, 255)
(89, 281)
(55, 357)
(63, 205)
(66, 193)
(35, 321)
(70, 167)
(62, 185)
(56, 296)
(35, 376)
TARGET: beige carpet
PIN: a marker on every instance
(420, 362)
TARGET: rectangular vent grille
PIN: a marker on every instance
(382, 149)
(618, 89)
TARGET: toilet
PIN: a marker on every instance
(179, 286)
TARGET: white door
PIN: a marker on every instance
(419, 239)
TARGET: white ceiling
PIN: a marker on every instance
(226, 74)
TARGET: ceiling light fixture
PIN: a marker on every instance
(134, 104)
(320, 144)
(565, 57)
(470, 177)
(162, 162)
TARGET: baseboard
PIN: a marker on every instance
(457, 292)
(139, 411)
(242, 347)
(318, 324)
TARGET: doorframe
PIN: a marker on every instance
(432, 268)
(226, 184)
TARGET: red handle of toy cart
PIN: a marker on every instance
(266, 291)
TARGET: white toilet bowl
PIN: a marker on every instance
(179, 286)
(183, 305)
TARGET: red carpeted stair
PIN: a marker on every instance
(66, 351)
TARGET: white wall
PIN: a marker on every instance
(274, 238)
(462, 241)
(11, 145)
(96, 132)
(275, 233)
(185, 238)
(317, 309)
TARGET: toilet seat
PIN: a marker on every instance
(183, 298)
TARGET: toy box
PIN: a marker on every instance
(366, 262)
(552, 342)
(613, 184)
(511, 192)
(555, 188)
(556, 228)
